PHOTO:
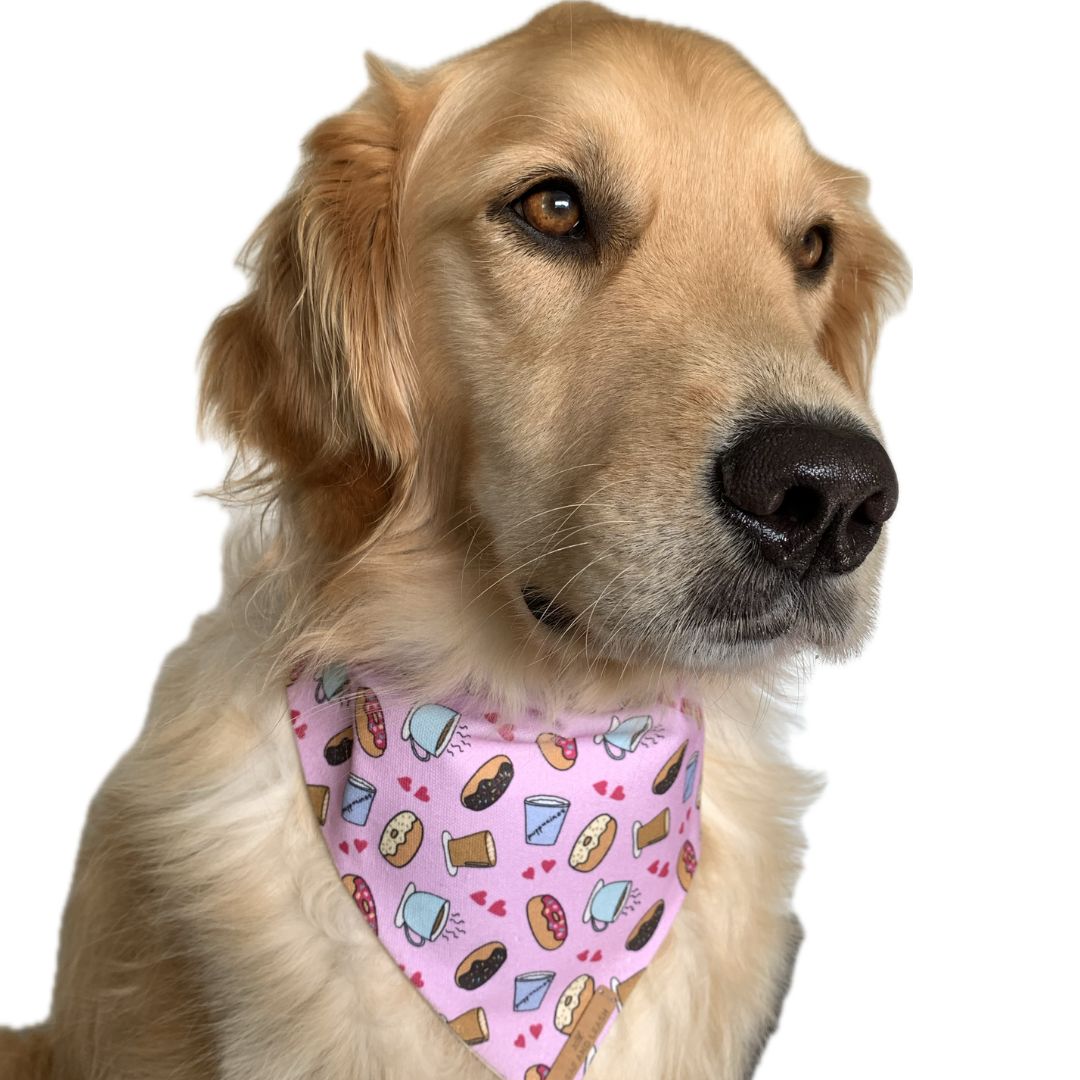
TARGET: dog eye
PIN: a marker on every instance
(813, 252)
(552, 208)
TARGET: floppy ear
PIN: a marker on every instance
(309, 376)
(872, 280)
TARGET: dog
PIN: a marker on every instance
(551, 384)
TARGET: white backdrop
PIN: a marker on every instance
(142, 143)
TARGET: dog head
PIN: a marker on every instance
(585, 302)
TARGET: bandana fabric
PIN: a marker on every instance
(521, 877)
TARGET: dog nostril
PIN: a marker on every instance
(875, 510)
(800, 506)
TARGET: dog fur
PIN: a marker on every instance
(429, 417)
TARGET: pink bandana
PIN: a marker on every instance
(522, 878)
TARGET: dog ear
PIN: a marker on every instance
(872, 280)
(309, 375)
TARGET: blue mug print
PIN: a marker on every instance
(428, 729)
(421, 915)
(606, 903)
(331, 682)
(691, 775)
(624, 735)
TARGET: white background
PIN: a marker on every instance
(141, 145)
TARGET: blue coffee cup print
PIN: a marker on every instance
(421, 915)
(606, 903)
(331, 682)
(530, 990)
(691, 776)
(356, 800)
(544, 817)
(624, 736)
(428, 729)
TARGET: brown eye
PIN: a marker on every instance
(553, 211)
(813, 252)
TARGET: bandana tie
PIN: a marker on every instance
(521, 874)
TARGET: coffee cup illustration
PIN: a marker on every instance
(652, 832)
(606, 903)
(530, 989)
(421, 915)
(331, 681)
(471, 1027)
(428, 729)
(356, 799)
(544, 817)
(691, 776)
(476, 850)
(624, 735)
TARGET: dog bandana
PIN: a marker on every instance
(522, 875)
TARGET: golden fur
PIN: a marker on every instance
(427, 418)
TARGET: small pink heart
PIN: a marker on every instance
(600, 787)
(301, 731)
(519, 1042)
(422, 794)
(664, 872)
(654, 866)
(491, 717)
(548, 865)
(507, 732)
(682, 828)
(405, 782)
(344, 847)
(479, 897)
(498, 908)
(618, 794)
(294, 714)
(529, 874)
(359, 845)
(598, 955)
(417, 979)
(535, 1029)
(583, 956)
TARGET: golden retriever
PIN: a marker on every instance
(552, 383)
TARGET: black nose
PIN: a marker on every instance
(813, 498)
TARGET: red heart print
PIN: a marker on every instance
(535, 1029)
(529, 874)
(598, 955)
(655, 866)
(417, 980)
(682, 828)
(479, 897)
(498, 908)
(491, 717)
(422, 794)
(548, 865)
(507, 732)
(664, 872)
(359, 845)
(405, 782)
(583, 956)
(344, 847)
(301, 731)
(689, 812)
(618, 794)
(600, 787)
(294, 715)
(519, 1042)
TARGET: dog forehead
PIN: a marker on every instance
(632, 100)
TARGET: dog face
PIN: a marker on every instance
(607, 305)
